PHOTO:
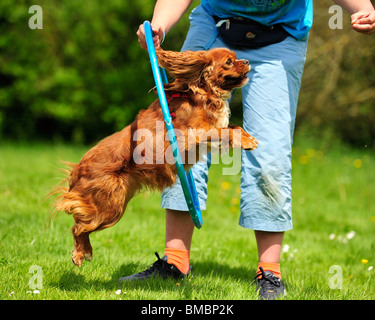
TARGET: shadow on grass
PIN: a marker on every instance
(207, 275)
(74, 281)
(213, 268)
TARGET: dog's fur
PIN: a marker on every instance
(107, 177)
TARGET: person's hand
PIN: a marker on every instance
(364, 22)
(158, 36)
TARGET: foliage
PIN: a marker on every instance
(80, 77)
(84, 75)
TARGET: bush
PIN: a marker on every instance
(80, 77)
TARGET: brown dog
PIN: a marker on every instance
(112, 172)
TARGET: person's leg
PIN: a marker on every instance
(179, 224)
(269, 245)
(179, 229)
(178, 236)
(269, 106)
(269, 251)
(202, 35)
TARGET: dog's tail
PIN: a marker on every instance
(60, 189)
(100, 206)
(67, 201)
(70, 202)
(81, 209)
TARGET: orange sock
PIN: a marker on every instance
(179, 257)
(269, 266)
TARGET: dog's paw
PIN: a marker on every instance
(244, 141)
(77, 257)
(248, 142)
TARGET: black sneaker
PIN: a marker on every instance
(160, 268)
(270, 287)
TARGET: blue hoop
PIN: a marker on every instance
(186, 179)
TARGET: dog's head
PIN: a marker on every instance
(215, 71)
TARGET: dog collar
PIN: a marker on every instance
(173, 96)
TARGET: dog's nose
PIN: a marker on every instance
(245, 62)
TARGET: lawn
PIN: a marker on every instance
(328, 255)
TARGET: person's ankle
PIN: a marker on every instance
(179, 258)
(270, 266)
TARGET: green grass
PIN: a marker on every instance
(333, 192)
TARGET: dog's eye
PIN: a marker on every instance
(229, 62)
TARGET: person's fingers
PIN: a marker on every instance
(142, 37)
(366, 20)
(159, 35)
(364, 28)
(156, 38)
(363, 22)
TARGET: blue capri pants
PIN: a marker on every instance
(269, 111)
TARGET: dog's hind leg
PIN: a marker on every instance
(108, 211)
(81, 232)
(82, 247)
(83, 212)
(101, 208)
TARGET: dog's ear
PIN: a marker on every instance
(185, 66)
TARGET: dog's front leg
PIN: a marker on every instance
(230, 137)
(197, 142)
